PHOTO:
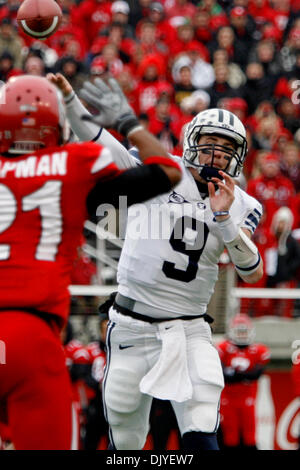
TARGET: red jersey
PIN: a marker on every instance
(272, 193)
(76, 353)
(92, 16)
(242, 360)
(43, 209)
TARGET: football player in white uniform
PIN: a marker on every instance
(159, 341)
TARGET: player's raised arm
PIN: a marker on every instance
(243, 252)
(115, 112)
(87, 130)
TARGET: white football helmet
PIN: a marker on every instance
(241, 330)
(218, 122)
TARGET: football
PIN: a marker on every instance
(39, 18)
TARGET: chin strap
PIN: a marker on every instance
(209, 172)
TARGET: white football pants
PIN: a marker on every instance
(133, 348)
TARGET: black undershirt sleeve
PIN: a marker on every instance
(138, 184)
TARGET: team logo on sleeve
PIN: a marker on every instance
(176, 198)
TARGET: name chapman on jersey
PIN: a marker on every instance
(46, 165)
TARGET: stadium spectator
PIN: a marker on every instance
(281, 11)
(185, 40)
(10, 41)
(120, 15)
(236, 77)
(151, 72)
(264, 109)
(266, 54)
(243, 26)
(261, 12)
(69, 39)
(290, 49)
(225, 39)
(289, 113)
(212, 6)
(265, 135)
(148, 42)
(139, 9)
(272, 189)
(179, 8)
(7, 68)
(34, 65)
(92, 16)
(115, 34)
(258, 86)
(162, 122)
(191, 105)
(73, 70)
(128, 83)
(182, 73)
(221, 88)
(164, 31)
(290, 163)
(237, 105)
(282, 261)
(201, 23)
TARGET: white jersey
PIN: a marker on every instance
(172, 248)
(173, 244)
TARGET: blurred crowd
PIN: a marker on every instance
(175, 58)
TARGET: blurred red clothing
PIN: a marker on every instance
(239, 397)
(92, 16)
(261, 12)
(148, 93)
(84, 270)
(188, 10)
(59, 40)
(128, 46)
(179, 46)
(272, 193)
(164, 31)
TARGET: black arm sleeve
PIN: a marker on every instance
(138, 184)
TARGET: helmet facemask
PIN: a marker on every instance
(241, 330)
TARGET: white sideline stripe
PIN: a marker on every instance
(238, 292)
(92, 290)
(42, 33)
(267, 293)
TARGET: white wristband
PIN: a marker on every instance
(135, 129)
(228, 229)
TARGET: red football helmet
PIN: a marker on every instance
(32, 115)
(241, 330)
